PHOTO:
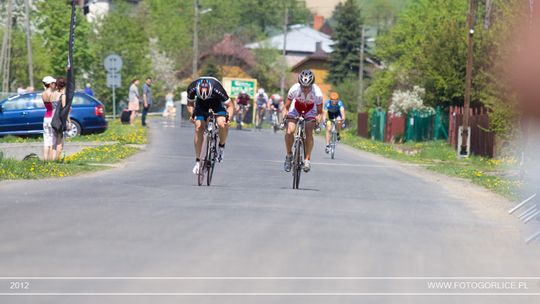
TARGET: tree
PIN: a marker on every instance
(53, 23)
(427, 47)
(122, 32)
(344, 59)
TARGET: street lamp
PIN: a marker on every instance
(198, 12)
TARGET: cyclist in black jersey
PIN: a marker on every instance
(204, 94)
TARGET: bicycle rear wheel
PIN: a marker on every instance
(297, 163)
(211, 160)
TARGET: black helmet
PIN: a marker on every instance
(204, 89)
(306, 78)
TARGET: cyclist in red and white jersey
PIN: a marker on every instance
(304, 99)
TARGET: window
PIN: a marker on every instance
(81, 100)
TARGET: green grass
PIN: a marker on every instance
(88, 160)
(125, 134)
(438, 156)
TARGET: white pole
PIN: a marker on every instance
(114, 102)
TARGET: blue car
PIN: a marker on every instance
(23, 115)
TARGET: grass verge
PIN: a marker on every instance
(88, 160)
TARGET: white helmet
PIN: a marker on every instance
(306, 78)
(260, 91)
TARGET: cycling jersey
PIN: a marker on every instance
(304, 104)
(242, 99)
(216, 102)
(331, 108)
(261, 99)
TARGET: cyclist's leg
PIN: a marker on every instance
(328, 131)
(289, 135)
(198, 138)
(310, 125)
(200, 114)
(221, 120)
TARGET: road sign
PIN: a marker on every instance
(113, 63)
(114, 80)
(235, 85)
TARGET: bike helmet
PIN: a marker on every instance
(204, 89)
(306, 78)
(261, 91)
(334, 96)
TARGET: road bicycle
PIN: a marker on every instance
(333, 138)
(239, 116)
(275, 120)
(298, 151)
(260, 115)
(210, 150)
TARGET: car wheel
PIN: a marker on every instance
(74, 129)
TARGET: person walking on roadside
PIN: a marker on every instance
(147, 99)
(134, 100)
(48, 140)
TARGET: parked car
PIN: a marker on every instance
(23, 115)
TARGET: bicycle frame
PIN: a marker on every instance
(333, 138)
(208, 162)
(298, 151)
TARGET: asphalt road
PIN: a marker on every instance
(362, 229)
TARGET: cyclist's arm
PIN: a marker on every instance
(286, 106)
(230, 108)
(319, 112)
(342, 110)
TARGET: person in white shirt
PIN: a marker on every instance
(304, 99)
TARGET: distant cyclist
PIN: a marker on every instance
(204, 94)
(242, 105)
(304, 99)
(275, 103)
(335, 109)
(261, 99)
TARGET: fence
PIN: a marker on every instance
(419, 125)
(482, 138)
(377, 125)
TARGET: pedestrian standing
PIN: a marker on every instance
(50, 86)
(59, 101)
(134, 100)
(147, 99)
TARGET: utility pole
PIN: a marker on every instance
(196, 39)
(362, 127)
(464, 145)
(284, 52)
(360, 101)
(5, 56)
(29, 44)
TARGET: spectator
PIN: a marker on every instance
(134, 100)
(48, 140)
(147, 99)
(59, 97)
(88, 90)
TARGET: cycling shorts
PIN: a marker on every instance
(202, 109)
(334, 115)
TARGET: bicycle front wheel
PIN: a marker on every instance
(202, 162)
(211, 159)
(297, 163)
(333, 145)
